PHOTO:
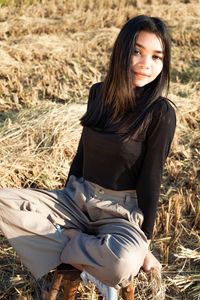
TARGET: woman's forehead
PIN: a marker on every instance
(150, 41)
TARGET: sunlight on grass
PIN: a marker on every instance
(51, 52)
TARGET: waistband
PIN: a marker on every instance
(99, 190)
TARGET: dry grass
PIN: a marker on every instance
(51, 52)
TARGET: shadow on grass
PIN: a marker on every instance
(6, 115)
(190, 74)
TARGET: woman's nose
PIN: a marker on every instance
(145, 62)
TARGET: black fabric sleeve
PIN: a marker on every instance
(158, 140)
(76, 167)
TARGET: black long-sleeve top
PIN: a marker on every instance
(105, 158)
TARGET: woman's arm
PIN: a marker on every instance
(76, 168)
(157, 144)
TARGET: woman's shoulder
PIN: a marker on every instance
(94, 94)
(94, 90)
(163, 114)
(96, 86)
(163, 117)
(164, 106)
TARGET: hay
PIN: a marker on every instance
(38, 151)
(51, 52)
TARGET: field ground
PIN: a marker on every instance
(50, 54)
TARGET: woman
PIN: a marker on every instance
(102, 221)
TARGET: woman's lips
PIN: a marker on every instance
(141, 74)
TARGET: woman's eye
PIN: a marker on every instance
(156, 57)
(136, 52)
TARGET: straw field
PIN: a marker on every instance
(50, 54)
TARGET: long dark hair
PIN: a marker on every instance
(116, 96)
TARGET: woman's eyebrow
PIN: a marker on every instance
(157, 51)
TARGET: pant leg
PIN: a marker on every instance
(28, 218)
(114, 256)
(128, 245)
(114, 250)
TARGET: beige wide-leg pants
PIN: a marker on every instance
(110, 244)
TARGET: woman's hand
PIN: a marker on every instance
(151, 262)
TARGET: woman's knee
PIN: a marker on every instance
(123, 266)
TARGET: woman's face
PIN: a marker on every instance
(147, 59)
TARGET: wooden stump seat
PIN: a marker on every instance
(70, 278)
